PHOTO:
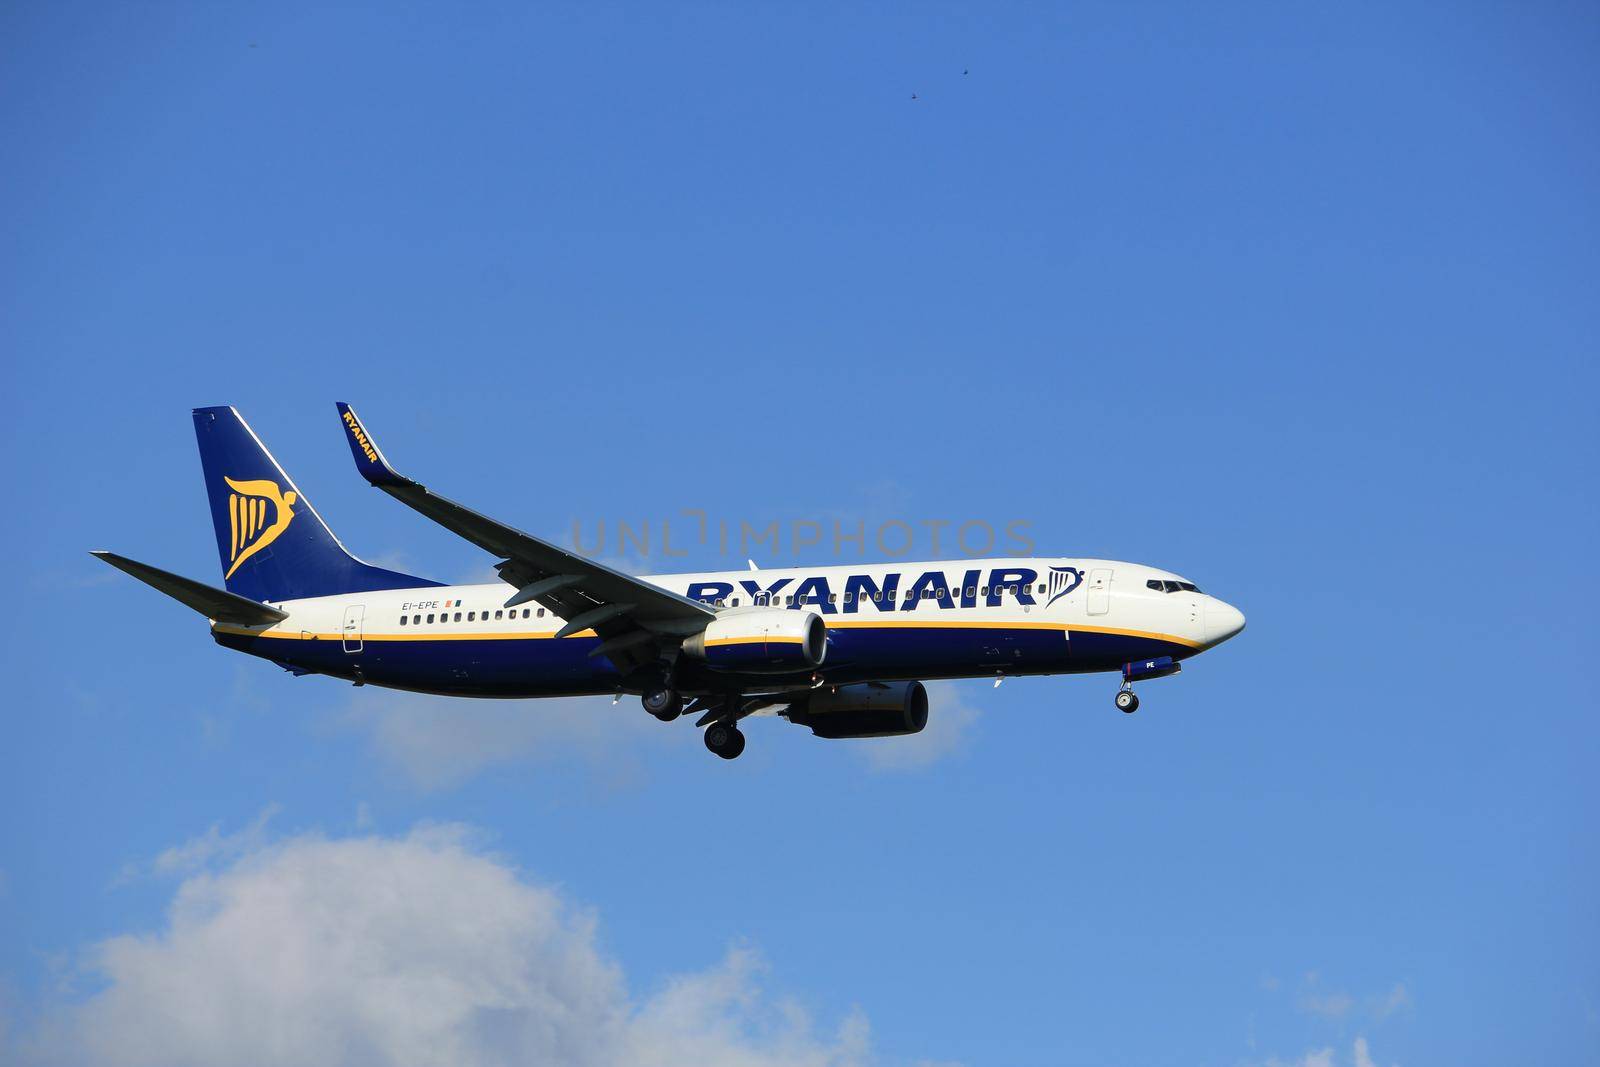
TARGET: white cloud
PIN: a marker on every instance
(1328, 1005)
(441, 741)
(438, 742)
(1360, 1056)
(1396, 999)
(401, 560)
(214, 846)
(950, 724)
(1338, 1004)
(418, 950)
(1320, 1058)
(209, 848)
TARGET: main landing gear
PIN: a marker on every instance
(723, 736)
(1127, 702)
(724, 739)
(664, 702)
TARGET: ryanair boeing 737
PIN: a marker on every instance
(841, 650)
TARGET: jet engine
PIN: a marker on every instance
(869, 710)
(761, 639)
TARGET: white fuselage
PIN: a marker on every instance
(942, 619)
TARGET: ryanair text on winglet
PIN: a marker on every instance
(361, 437)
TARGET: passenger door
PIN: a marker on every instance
(352, 627)
(1099, 598)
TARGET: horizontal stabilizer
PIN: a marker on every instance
(213, 603)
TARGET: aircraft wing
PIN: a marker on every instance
(630, 616)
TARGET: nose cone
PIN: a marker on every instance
(1222, 621)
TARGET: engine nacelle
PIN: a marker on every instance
(886, 710)
(762, 639)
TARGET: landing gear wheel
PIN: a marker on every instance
(725, 740)
(664, 703)
(1127, 701)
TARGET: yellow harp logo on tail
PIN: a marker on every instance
(250, 527)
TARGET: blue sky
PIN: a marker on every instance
(1295, 301)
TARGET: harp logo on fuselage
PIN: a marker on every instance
(1063, 580)
(258, 513)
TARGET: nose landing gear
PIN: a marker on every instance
(1143, 670)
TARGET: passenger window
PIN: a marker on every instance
(430, 620)
(402, 620)
(458, 616)
(717, 603)
(541, 613)
(983, 590)
(497, 614)
(416, 620)
(939, 594)
(833, 598)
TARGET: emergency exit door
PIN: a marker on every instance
(352, 627)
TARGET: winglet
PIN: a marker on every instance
(369, 461)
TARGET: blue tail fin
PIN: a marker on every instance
(274, 546)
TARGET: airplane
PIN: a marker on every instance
(841, 650)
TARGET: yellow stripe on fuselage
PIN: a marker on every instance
(846, 624)
(307, 635)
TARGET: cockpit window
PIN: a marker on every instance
(1167, 585)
